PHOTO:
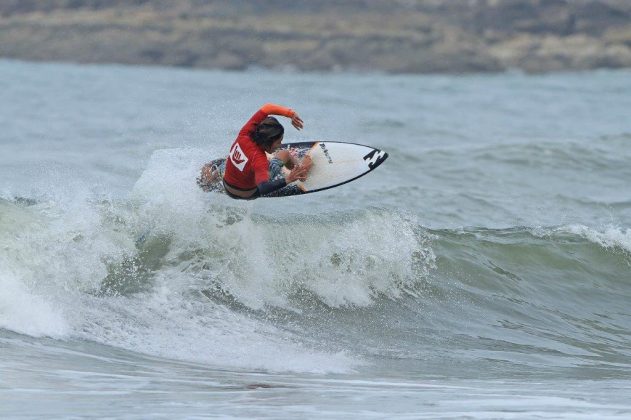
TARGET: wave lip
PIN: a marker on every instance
(610, 238)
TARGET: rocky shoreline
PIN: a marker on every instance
(397, 36)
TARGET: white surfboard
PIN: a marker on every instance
(334, 164)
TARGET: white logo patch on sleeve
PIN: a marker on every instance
(237, 157)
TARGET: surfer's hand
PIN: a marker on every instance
(306, 163)
(297, 122)
(298, 173)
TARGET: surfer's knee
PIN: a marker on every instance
(283, 155)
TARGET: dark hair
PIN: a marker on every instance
(267, 132)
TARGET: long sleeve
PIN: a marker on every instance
(273, 109)
(261, 114)
(271, 186)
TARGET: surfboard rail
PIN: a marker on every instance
(334, 164)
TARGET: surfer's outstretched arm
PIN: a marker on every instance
(271, 109)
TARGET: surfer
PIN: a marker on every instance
(248, 172)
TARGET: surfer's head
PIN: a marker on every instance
(267, 133)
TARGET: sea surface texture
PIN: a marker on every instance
(482, 271)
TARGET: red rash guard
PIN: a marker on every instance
(247, 165)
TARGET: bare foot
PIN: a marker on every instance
(210, 174)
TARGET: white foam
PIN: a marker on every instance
(21, 309)
(50, 254)
(59, 255)
(169, 180)
(610, 237)
(213, 242)
(24, 312)
(169, 323)
(342, 263)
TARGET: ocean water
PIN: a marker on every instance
(483, 271)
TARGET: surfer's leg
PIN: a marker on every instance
(211, 174)
(275, 168)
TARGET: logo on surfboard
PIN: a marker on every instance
(326, 152)
(375, 157)
(237, 157)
